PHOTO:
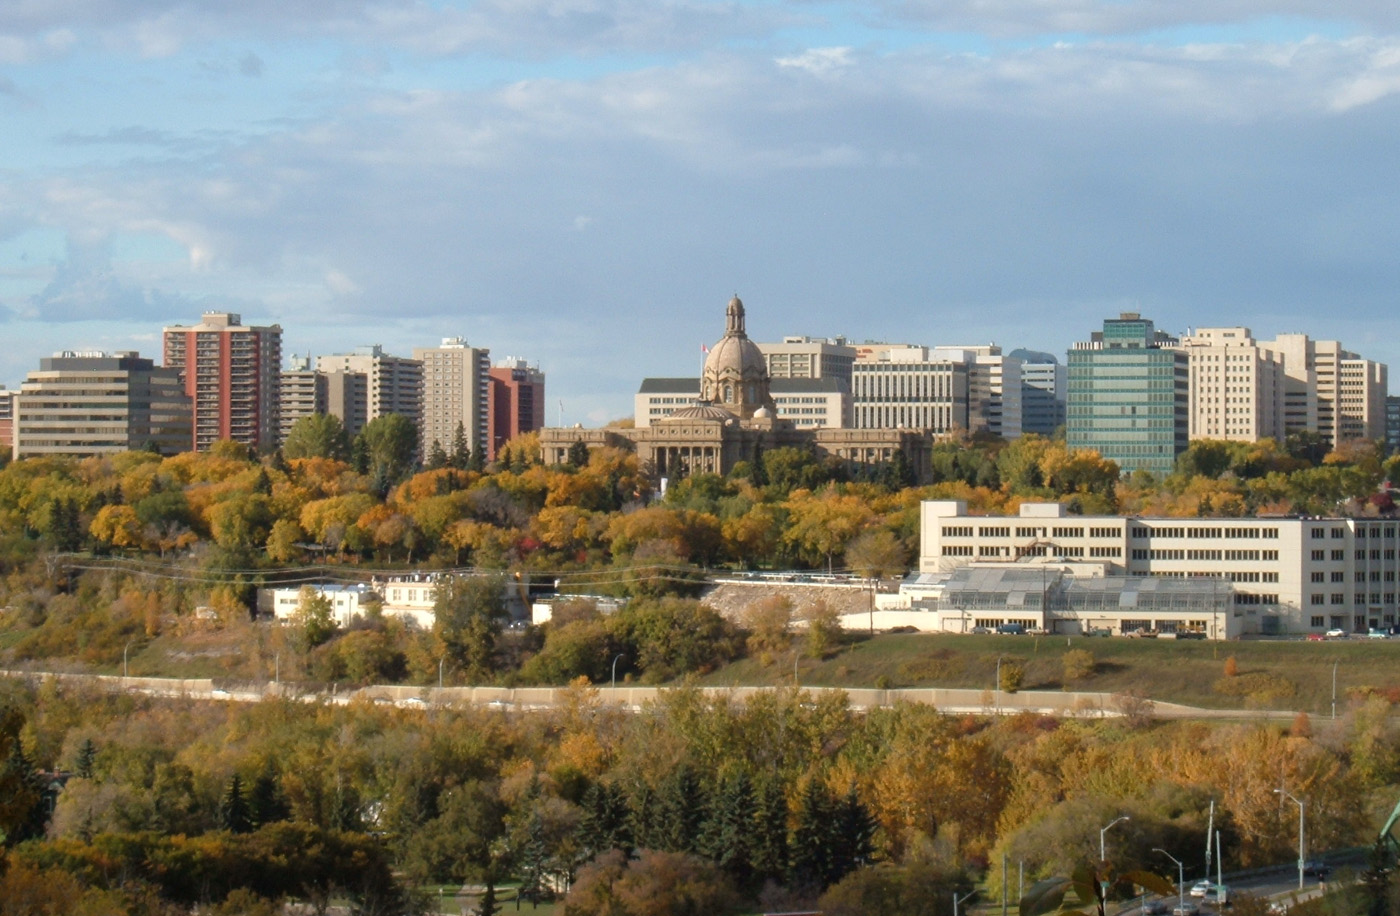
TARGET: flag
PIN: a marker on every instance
(704, 349)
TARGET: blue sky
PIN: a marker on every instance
(584, 183)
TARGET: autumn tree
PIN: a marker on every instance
(469, 612)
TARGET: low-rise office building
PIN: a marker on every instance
(92, 403)
(1286, 574)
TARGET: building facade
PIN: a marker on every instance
(517, 402)
(1238, 389)
(1128, 396)
(391, 384)
(808, 403)
(1043, 392)
(231, 373)
(7, 419)
(303, 392)
(910, 388)
(810, 357)
(456, 392)
(1331, 391)
(1286, 575)
(85, 404)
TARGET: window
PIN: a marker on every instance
(1316, 622)
(1319, 599)
(1319, 554)
(1338, 598)
(1319, 577)
(1338, 576)
(1339, 555)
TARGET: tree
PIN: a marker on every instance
(87, 759)
(389, 443)
(1012, 675)
(469, 612)
(812, 850)
(437, 457)
(319, 435)
(823, 629)
(578, 454)
(461, 455)
(1078, 664)
(729, 830)
(234, 815)
(315, 618)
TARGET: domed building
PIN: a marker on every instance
(734, 419)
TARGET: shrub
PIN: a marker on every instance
(1079, 664)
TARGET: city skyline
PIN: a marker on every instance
(582, 183)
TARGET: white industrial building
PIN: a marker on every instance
(1285, 574)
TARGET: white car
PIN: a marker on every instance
(1200, 888)
(1336, 633)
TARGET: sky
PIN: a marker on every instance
(584, 183)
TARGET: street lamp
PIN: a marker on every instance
(1103, 854)
(1180, 878)
(614, 670)
(1301, 864)
(440, 663)
(124, 650)
(963, 899)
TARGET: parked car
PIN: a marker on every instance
(1156, 908)
(1142, 633)
(1218, 895)
(1316, 637)
(1317, 869)
(1099, 631)
(980, 631)
(1378, 634)
(1336, 633)
(1010, 629)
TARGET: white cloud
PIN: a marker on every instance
(819, 60)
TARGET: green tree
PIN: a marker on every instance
(578, 454)
(768, 846)
(319, 435)
(683, 811)
(389, 443)
(469, 612)
(812, 852)
(87, 759)
(461, 455)
(315, 618)
(729, 830)
(437, 457)
(234, 815)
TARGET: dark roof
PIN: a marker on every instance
(670, 386)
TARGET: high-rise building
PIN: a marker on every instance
(93, 403)
(810, 357)
(517, 401)
(1128, 395)
(303, 393)
(456, 391)
(231, 372)
(1042, 392)
(1238, 388)
(7, 419)
(1329, 390)
(993, 389)
(368, 383)
(1392, 424)
(902, 387)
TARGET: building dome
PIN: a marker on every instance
(736, 373)
(699, 412)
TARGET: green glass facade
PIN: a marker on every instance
(1128, 397)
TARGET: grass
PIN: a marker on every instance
(1270, 674)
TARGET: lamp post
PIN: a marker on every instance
(124, 650)
(963, 899)
(1334, 689)
(614, 670)
(1103, 853)
(1301, 864)
(1180, 878)
(440, 663)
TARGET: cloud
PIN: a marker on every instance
(86, 287)
(818, 60)
(250, 65)
(519, 28)
(1023, 18)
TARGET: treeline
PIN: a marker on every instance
(698, 804)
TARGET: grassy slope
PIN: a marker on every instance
(1289, 675)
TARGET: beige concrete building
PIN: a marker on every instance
(391, 384)
(92, 403)
(1330, 390)
(303, 393)
(1286, 575)
(910, 388)
(809, 357)
(993, 388)
(456, 391)
(1238, 389)
(808, 403)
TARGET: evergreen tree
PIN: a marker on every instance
(729, 830)
(645, 817)
(606, 822)
(1376, 879)
(533, 860)
(266, 803)
(24, 806)
(683, 810)
(460, 456)
(477, 460)
(87, 759)
(813, 847)
(578, 454)
(437, 457)
(234, 815)
(853, 835)
(768, 844)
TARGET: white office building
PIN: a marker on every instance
(1286, 575)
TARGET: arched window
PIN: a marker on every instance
(728, 392)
